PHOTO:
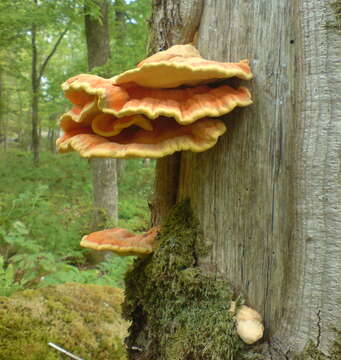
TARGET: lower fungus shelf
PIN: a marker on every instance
(165, 137)
(121, 241)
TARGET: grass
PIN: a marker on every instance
(45, 211)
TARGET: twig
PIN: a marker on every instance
(72, 356)
(48, 57)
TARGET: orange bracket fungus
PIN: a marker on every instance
(167, 104)
(182, 65)
(121, 241)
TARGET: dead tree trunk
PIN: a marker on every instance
(104, 176)
(266, 195)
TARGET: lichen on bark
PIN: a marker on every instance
(177, 312)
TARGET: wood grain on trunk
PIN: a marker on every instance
(266, 195)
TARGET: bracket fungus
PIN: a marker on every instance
(121, 241)
(125, 116)
(182, 65)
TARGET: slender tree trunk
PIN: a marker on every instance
(104, 174)
(2, 112)
(119, 36)
(105, 193)
(20, 129)
(266, 194)
(97, 33)
(37, 73)
(35, 97)
(119, 21)
(52, 132)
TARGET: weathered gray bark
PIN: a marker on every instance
(174, 22)
(266, 195)
(104, 176)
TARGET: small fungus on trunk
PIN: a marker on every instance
(249, 323)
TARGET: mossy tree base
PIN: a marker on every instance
(177, 312)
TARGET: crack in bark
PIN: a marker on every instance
(319, 330)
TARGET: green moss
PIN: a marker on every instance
(336, 23)
(83, 319)
(178, 312)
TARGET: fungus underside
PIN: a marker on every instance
(177, 311)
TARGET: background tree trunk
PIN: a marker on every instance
(104, 193)
(266, 194)
(53, 132)
(3, 140)
(35, 97)
(21, 120)
(97, 33)
(104, 176)
(119, 36)
(119, 21)
(37, 72)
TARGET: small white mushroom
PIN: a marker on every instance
(249, 323)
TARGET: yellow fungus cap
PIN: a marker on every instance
(182, 65)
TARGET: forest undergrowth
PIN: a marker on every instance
(45, 211)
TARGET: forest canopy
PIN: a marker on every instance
(44, 22)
